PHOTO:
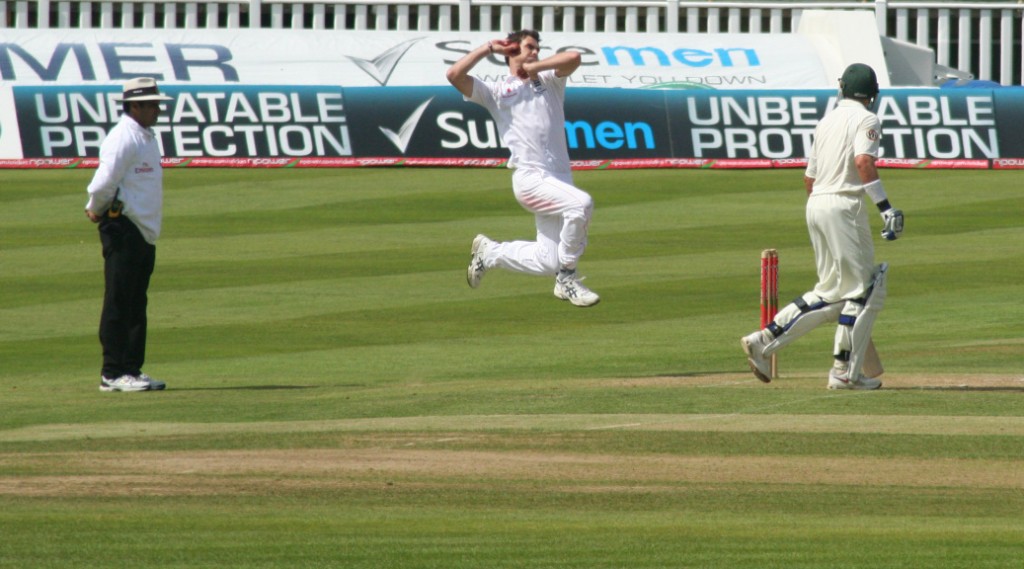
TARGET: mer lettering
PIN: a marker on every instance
(119, 61)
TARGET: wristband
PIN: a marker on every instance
(490, 47)
(875, 191)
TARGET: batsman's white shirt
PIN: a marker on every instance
(130, 169)
(530, 118)
(837, 213)
(846, 132)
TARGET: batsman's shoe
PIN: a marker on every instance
(476, 268)
(154, 384)
(123, 383)
(568, 287)
(753, 345)
(839, 379)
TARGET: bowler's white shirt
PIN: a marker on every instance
(130, 160)
(530, 118)
(844, 133)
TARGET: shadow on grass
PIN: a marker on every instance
(955, 388)
(255, 387)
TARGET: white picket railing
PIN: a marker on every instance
(982, 38)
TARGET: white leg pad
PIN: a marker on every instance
(857, 322)
(800, 317)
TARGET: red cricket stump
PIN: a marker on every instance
(770, 294)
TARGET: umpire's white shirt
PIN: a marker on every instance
(130, 160)
(530, 118)
(846, 132)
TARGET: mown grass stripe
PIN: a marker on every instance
(710, 422)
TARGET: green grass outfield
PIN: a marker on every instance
(338, 397)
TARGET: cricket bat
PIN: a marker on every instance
(872, 366)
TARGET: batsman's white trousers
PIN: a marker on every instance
(843, 250)
(844, 254)
(562, 212)
(845, 257)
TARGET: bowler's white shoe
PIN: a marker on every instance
(839, 379)
(123, 383)
(568, 287)
(753, 345)
(476, 268)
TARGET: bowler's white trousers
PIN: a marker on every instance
(562, 212)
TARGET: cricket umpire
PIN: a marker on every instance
(850, 289)
(126, 201)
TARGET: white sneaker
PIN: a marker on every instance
(568, 287)
(838, 379)
(123, 383)
(154, 384)
(753, 345)
(476, 268)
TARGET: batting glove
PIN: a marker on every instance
(892, 227)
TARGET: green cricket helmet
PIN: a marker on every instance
(859, 82)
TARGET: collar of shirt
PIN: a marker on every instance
(850, 103)
(135, 126)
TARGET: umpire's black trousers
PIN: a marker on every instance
(128, 262)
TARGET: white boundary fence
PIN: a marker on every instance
(981, 38)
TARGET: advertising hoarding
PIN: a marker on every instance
(380, 98)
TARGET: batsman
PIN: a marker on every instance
(851, 288)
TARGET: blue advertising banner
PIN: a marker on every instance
(953, 124)
(250, 121)
(306, 121)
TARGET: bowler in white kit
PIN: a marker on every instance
(528, 107)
